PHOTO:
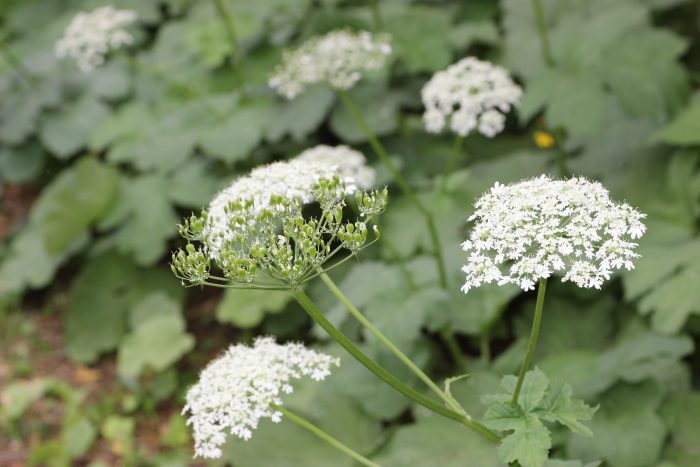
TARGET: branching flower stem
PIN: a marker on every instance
(324, 436)
(445, 333)
(230, 29)
(376, 15)
(384, 375)
(532, 343)
(542, 32)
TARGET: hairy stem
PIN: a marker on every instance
(383, 374)
(532, 343)
(376, 15)
(401, 181)
(542, 32)
(324, 436)
(446, 333)
(230, 29)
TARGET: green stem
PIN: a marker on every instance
(190, 91)
(452, 161)
(230, 29)
(532, 343)
(383, 374)
(542, 32)
(324, 436)
(401, 181)
(376, 15)
(485, 346)
(450, 402)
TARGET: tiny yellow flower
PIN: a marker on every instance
(543, 139)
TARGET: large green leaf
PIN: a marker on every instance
(158, 338)
(247, 308)
(106, 289)
(74, 201)
(683, 130)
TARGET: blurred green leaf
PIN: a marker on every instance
(683, 130)
(247, 308)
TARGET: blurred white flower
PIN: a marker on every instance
(237, 389)
(469, 94)
(91, 35)
(294, 179)
(336, 59)
(531, 229)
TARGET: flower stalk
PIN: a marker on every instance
(229, 27)
(542, 32)
(324, 436)
(401, 181)
(385, 375)
(532, 342)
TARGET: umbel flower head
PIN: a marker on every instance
(529, 230)
(239, 388)
(295, 179)
(468, 95)
(91, 35)
(337, 59)
(256, 225)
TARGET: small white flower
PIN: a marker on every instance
(237, 389)
(293, 179)
(337, 59)
(528, 230)
(91, 35)
(470, 94)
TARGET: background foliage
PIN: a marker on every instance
(100, 341)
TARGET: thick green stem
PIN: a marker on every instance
(324, 436)
(542, 32)
(401, 181)
(227, 22)
(376, 15)
(383, 374)
(532, 343)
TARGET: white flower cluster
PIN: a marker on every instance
(470, 94)
(90, 36)
(293, 179)
(237, 389)
(337, 59)
(528, 230)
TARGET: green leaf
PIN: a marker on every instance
(66, 131)
(73, 201)
(529, 445)
(103, 293)
(301, 116)
(434, 441)
(379, 108)
(22, 164)
(528, 441)
(19, 395)
(247, 308)
(419, 35)
(145, 219)
(158, 338)
(28, 264)
(194, 184)
(78, 436)
(683, 130)
(233, 139)
(684, 423)
(19, 114)
(558, 406)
